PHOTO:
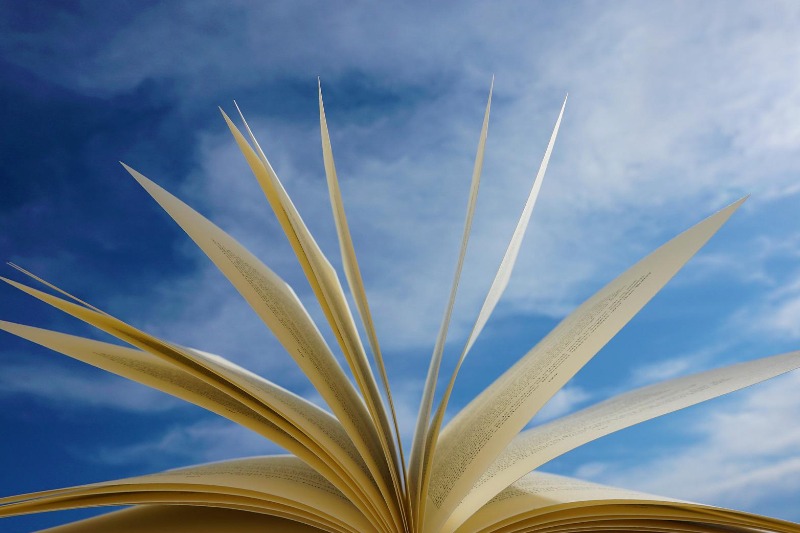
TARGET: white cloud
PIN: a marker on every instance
(662, 370)
(563, 402)
(778, 315)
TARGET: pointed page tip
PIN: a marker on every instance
(130, 170)
(16, 266)
(737, 204)
(140, 178)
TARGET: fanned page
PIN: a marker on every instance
(284, 481)
(351, 268)
(530, 449)
(480, 432)
(301, 419)
(421, 442)
(280, 309)
(547, 502)
(329, 293)
(149, 370)
(492, 298)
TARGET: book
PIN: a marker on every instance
(346, 469)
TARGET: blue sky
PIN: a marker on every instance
(675, 110)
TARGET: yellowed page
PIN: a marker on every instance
(421, 440)
(326, 286)
(495, 291)
(480, 432)
(296, 416)
(149, 370)
(183, 519)
(351, 270)
(280, 309)
(282, 479)
(50, 285)
(530, 449)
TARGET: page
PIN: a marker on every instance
(183, 519)
(280, 309)
(420, 440)
(281, 479)
(351, 270)
(495, 291)
(480, 432)
(295, 415)
(149, 370)
(532, 448)
(328, 290)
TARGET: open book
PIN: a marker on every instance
(346, 470)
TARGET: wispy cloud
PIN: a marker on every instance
(777, 315)
(199, 442)
(662, 370)
(68, 388)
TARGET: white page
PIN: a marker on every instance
(480, 432)
(329, 293)
(421, 440)
(351, 268)
(495, 291)
(532, 448)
